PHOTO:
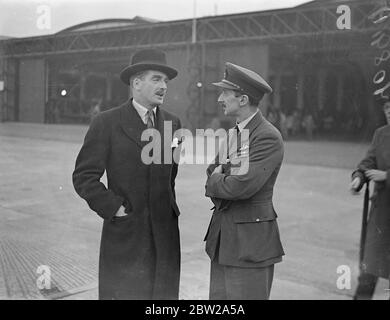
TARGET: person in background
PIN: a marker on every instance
(375, 168)
(96, 107)
(308, 124)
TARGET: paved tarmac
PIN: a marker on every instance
(44, 222)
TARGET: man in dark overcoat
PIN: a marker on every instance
(375, 167)
(243, 240)
(140, 245)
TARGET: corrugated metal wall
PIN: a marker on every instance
(32, 90)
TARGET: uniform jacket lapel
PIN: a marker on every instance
(257, 120)
(251, 126)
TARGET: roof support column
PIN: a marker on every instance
(339, 92)
(300, 90)
(321, 88)
(278, 85)
(108, 87)
(83, 79)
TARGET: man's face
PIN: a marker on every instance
(150, 89)
(386, 110)
(229, 102)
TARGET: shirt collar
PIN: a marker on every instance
(142, 111)
(243, 123)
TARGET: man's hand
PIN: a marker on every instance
(354, 185)
(376, 175)
(121, 212)
(217, 169)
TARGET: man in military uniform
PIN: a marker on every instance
(243, 240)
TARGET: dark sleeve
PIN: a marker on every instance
(387, 182)
(90, 166)
(266, 154)
(211, 167)
(220, 159)
(361, 176)
(369, 162)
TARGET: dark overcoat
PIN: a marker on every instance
(243, 231)
(376, 259)
(139, 252)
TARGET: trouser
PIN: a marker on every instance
(235, 283)
(366, 286)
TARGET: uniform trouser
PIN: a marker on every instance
(235, 283)
(366, 286)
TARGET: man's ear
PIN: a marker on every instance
(135, 83)
(244, 99)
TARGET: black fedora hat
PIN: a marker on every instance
(148, 59)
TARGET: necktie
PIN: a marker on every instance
(149, 119)
(149, 125)
(234, 141)
(238, 138)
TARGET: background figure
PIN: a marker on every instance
(278, 119)
(272, 116)
(283, 124)
(293, 123)
(96, 107)
(375, 167)
(140, 244)
(308, 125)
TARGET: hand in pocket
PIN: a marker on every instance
(121, 212)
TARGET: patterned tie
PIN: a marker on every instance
(149, 119)
(235, 138)
(238, 138)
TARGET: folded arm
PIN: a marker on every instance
(266, 154)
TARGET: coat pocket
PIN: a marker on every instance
(123, 218)
(257, 233)
(128, 207)
(128, 210)
(254, 212)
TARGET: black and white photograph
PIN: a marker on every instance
(194, 150)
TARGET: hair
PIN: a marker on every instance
(139, 75)
(252, 101)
